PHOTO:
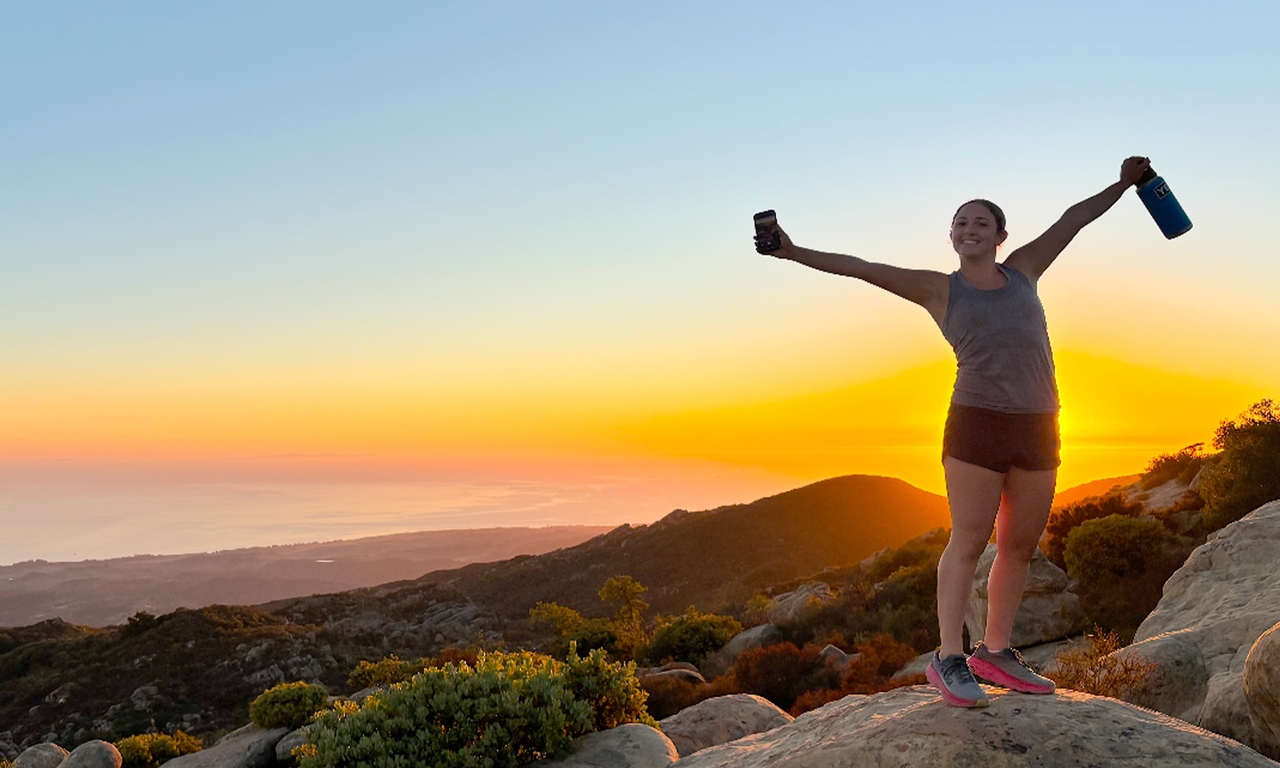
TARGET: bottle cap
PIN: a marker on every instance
(1146, 177)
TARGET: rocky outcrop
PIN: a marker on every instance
(790, 606)
(1048, 611)
(628, 746)
(914, 727)
(1214, 608)
(756, 637)
(721, 720)
(46, 755)
(93, 754)
(247, 747)
(285, 747)
(1262, 692)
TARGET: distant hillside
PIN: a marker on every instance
(1095, 488)
(717, 558)
(106, 592)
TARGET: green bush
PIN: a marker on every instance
(288, 705)
(1165, 467)
(1063, 520)
(1246, 473)
(507, 710)
(691, 637)
(1121, 564)
(148, 750)
(385, 672)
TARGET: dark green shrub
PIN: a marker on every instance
(385, 672)
(138, 623)
(507, 710)
(1065, 519)
(148, 750)
(288, 705)
(1246, 473)
(1121, 564)
(1167, 466)
(691, 637)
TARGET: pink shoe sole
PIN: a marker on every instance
(998, 676)
(947, 696)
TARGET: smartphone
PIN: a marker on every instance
(767, 239)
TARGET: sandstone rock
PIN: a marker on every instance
(93, 754)
(247, 747)
(756, 637)
(142, 696)
(678, 674)
(46, 755)
(1262, 692)
(789, 606)
(285, 747)
(1214, 608)
(628, 746)
(1048, 612)
(835, 657)
(914, 727)
(720, 720)
(916, 666)
(8, 749)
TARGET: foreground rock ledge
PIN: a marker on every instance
(914, 727)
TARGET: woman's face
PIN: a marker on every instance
(974, 231)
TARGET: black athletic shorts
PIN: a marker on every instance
(998, 441)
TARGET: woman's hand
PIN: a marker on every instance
(784, 251)
(1132, 169)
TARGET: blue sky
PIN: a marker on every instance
(549, 203)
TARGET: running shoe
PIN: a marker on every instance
(953, 678)
(1007, 668)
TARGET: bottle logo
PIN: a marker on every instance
(1162, 191)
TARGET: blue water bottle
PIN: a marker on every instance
(1162, 205)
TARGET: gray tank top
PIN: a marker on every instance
(1003, 359)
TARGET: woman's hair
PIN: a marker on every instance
(990, 206)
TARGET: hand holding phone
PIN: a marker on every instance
(768, 236)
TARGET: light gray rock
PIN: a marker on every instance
(914, 727)
(628, 746)
(689, 676)
(1048, 611)
(720, 720)
(755, 637)
(916, 666)
(247, 747)
(790, 606)
(1218, 603)
(835, 657)
(1262, 692)
(285, 747)
(8, 750)
(93, 754)
(46, 755)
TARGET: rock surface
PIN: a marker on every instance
(1048, 611)
(720, 720)
(47, 755)
(93, 754)
(1214, 608)
(247, 747)
(628, 746)
(285, 747)
(789, 606)
(914, 727)
(1262, 692)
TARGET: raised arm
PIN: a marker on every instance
(1035, 257)
(920, 286)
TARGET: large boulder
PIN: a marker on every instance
(1048, 611)
(1214, 608)
(914, 727)
(293, 740)
(628, 746)
(247, 747)
(94, 754)
(46, 755)
(756, 637)
(790, 606)
(1262, 692)
(720, 720)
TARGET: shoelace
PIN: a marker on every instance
(955, 671)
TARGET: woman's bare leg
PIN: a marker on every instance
(1028, 496)
(973, 493)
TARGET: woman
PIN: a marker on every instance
(1000, 443)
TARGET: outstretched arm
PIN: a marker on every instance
(920, 286)
(1035, 257)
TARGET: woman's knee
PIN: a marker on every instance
(969, 545)
(1017, 551)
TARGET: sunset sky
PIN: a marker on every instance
(297, 271)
